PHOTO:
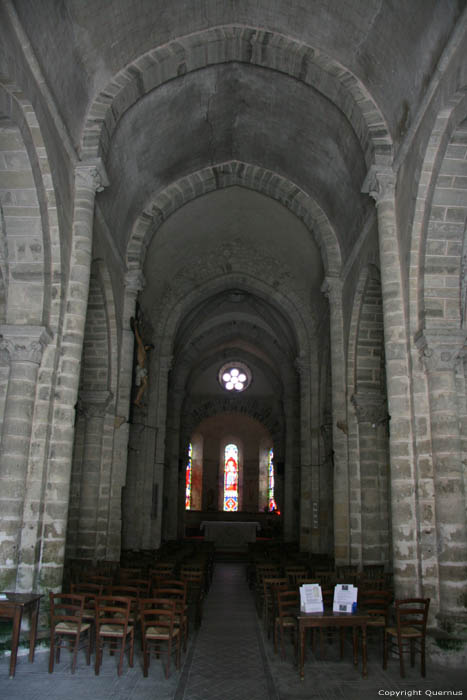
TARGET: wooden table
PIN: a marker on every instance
(12, 606)
(328, 618)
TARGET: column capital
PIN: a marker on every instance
(380, 183)
(91, 174)
(370, 407)
(440, 349)
(332, 289)
(24, 343)
(94, 404)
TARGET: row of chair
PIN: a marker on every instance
(161, 620)
(194, 576)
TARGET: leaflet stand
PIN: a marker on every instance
(345, 598)
(311, 598)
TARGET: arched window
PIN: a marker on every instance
(271, 499)
(188, 478)
(231, 477)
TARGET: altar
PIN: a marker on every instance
(230, 535)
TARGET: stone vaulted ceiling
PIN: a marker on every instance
(236, 136)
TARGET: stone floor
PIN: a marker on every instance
(228, 658)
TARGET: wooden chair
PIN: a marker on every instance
(90, 591)
(142, 584)
(100, 579)
(326, 579)
(409, 632)
(158, 627)
(375, 603)
(177, 594)
(373, 571)
(197, 566)
(179, 583)
(125, 573)
(67, 627)
(162, 570)
(195, 591)
(268, 611)
(347, 573)
(372, 584)
(263, 570)
(295, 572)
(124, 590)
(113, 627)
(288, 605)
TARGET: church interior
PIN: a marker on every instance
(233, 288)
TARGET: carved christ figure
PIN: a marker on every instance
(141, 372)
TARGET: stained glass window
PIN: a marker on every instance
(231, 478)
(272, 506)
(188, 478)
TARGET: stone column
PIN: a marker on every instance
(22, 347)
(372, 416)
(292, 436)
(441, 350)
(156, 451)
(90, 178)
(380, 184)
(305, 482)
(93, 405)
(332, 289)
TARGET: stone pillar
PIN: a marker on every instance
(332, 289)
(155, 455)
(380, 184)
(93, 406)
(90, 178)
(22, 347)
(372, 416)
(305, 483)
(441, 350)
(292, 434)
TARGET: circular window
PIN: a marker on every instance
(234, 376)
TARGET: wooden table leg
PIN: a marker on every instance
(301, 634)
(33, 630)
(18, 613)
(364, 669)
(355, 644)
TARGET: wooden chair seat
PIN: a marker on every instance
(72, 627)
(155, 632)
(405, 631)
(114, 630)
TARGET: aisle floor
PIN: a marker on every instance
(228, 658)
